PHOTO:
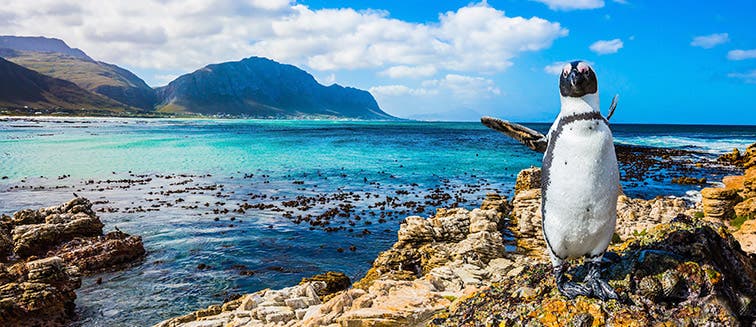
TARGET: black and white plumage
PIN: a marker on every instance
(580, 179)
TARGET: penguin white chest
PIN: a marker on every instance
(580, 187)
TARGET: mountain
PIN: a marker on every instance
(54, 58)
(260, 87)
(41, 44)
(20, 86)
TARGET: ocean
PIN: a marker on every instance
(234, 206)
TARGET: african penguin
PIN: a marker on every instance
(579, 183)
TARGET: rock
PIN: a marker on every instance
(686, 272)
(684, 180)
(733, 182)
(745, 160)
(6, 245)
(749, 183)
(719, 202)
(498, 203)
(334, 282)
(285, 307)
(526, 219)
(40, 292)
(746, 236)
(27, 217)
(746, 209)
(424, 244)
(528, 179)
(109, 252)
(45, 228)
(636, 215)
(36, 239)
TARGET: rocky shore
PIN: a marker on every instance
(671, 262)
(43, 254)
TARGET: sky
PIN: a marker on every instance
(677, 62)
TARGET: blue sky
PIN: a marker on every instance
(670, 61)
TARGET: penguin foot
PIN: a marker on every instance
(572, 290)
(599, 288)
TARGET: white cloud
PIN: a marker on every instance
(603, 47)
(399, 90)
(466, 87)
(162, 36)
(710, 41)
(409, 71)
(460, 87)
(741, 54)
(749, 77)
(554, 68)
(572, 4)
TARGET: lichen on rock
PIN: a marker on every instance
(685, 272)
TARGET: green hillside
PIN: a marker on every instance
(98, 77)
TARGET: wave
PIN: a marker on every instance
(710, 145)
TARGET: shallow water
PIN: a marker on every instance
(229, 163)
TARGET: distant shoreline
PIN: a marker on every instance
(62, 113)
(56, 113)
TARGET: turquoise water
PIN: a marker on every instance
(169, 180)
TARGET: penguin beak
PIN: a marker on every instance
(576, 79)
(577, 84)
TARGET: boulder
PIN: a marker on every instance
(39, 292)
(636, 215)
(749, 183)
(111, 251)
(747, 159)
(719, 202)
(334, 282)
(34, 232)
(528, 179)
(36, 239)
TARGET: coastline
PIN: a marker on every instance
(446, 265)
(212, 238)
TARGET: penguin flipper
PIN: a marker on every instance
(531, 138)
(612, 107)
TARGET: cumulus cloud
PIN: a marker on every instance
(460, 87)
(749, 77)
(399, 90)
(741, 54)
(410, 71)
(710, 41)
(572, 4)
(186, 35)
(555, 68)
(466, 87)
(603, 47)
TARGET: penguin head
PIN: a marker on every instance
(577, 79)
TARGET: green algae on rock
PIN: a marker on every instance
(686, 272)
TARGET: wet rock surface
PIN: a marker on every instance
(41, 292)
(38, 292)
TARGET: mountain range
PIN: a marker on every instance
(45, 73)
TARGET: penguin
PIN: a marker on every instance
(579, 180)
